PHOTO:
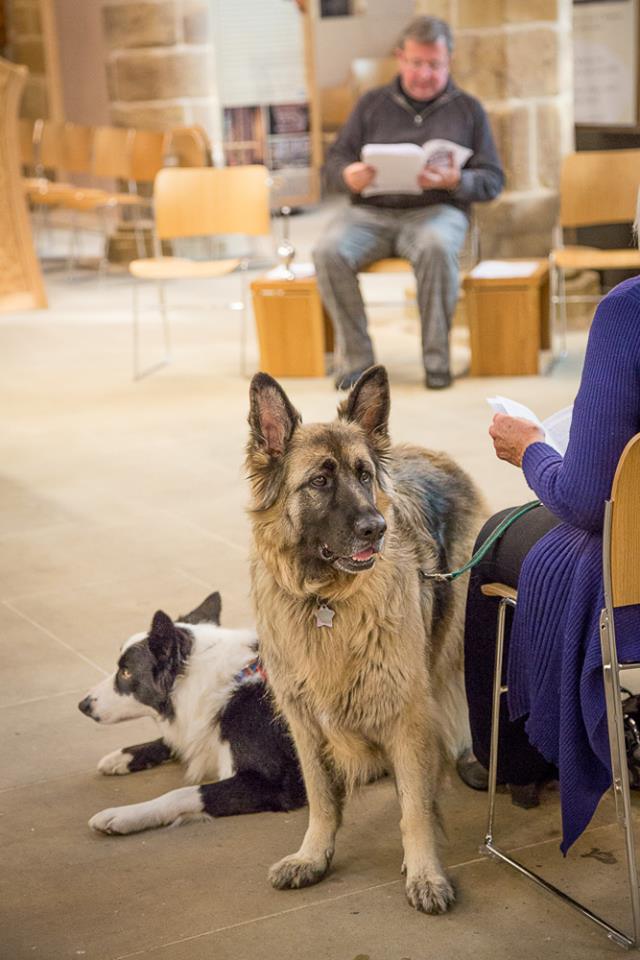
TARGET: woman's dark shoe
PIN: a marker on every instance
(438, 381)
(525, 795)
(472, 772)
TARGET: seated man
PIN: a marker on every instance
(427, 228)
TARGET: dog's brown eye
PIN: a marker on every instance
(319, 481)
(125, 674)
(365, 476)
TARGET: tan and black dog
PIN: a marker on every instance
(363, 654)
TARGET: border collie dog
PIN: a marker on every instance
(205, 688)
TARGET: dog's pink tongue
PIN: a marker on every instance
(364, 554)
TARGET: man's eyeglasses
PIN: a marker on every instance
(434, 65)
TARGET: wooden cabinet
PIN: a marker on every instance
(508, 322)
(294, 332)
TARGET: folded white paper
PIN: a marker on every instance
(556, 427)
(503, 269)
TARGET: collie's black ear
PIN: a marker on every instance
(163, 636)
(207, 612)
(272, 417)
(369, 403)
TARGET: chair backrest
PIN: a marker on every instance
(368, 72)
(204, 201)
(625, 527)
(112, 152)
(25, 136)
(148, 148)
(599, 186)
(191, 146)
(78, 148)
(50, 147)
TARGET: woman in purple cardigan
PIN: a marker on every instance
(554, 556)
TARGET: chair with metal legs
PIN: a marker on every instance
(621, 562)
(201, 202)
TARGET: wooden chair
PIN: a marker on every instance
(189, 147)
(596, 187)
(201, 202)
(621, 563)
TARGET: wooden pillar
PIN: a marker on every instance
(21, 286)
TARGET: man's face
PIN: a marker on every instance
(424, 68)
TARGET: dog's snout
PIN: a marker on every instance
(86, 706)
(371, 527)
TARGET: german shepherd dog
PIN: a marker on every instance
(364, 655)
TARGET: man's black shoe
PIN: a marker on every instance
(345, 381)
(438, 381)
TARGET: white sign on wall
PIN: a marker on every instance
(605, 41)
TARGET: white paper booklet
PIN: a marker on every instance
(556, 427)
(398, 165)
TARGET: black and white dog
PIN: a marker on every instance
(205, 688)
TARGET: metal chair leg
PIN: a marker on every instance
(619, 768)
(138, 372)
(490, 848)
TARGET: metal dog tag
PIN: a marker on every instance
(324, 616)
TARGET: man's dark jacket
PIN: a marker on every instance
(385, 115)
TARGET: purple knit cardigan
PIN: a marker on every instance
(555, 663)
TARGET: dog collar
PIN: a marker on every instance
(254, 670)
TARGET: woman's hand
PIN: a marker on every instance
(358, 175)
(511, 436)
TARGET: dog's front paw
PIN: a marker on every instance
(115, 820)
(293, 872)
(433, 894)
(115, 764)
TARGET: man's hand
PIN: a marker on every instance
(511, 436)
(358, 175)
(440, 176)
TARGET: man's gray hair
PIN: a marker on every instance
(427, 30)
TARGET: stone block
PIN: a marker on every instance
(445, 9)
(532, 63)
(31, 54)
(23, 20)
(518, 212)
(160, 75)
(503, 246)
(479, 64)
(529, 11)
(149, 116)
(140, 25)
(196, 21)
(549, 142)
(513, 129)
(473, 14)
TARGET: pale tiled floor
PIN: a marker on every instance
(121, 497)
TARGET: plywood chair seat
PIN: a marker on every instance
(593, 258)
(43, 191)
(389, 265)
(180, 268)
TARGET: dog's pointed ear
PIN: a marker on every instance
(163, 636)
(368, 403)
(272, 417)
(207, 612)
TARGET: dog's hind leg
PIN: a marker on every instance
(142, 756)
(325, 796)
(416, 761)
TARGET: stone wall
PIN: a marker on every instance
(160, 65)
(516, 57)
(27, 21)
